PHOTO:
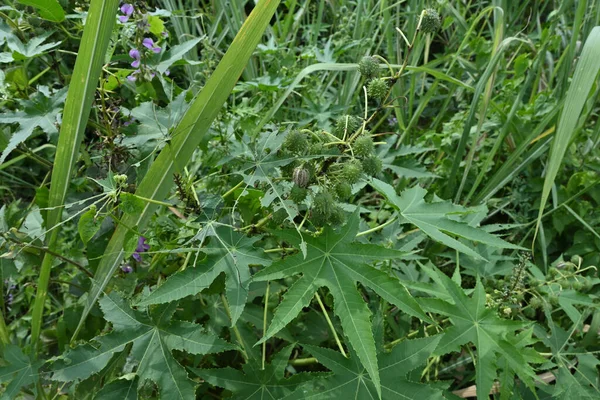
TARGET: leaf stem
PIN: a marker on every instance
(264, 345)
(377, 228)
(236, 332)
(335, 335)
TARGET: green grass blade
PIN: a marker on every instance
(186, 137)
(581, 85)
(94, 43)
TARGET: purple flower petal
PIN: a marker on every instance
(123, 18)
(142, 246)
(156, 49)
(137, 257)
(127, 9)
(134, 53)
(127, 269)
(135, 64)
(131, 78)
(148, 43)
(167, 73)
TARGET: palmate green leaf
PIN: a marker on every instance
(334, 261)
(153, 338)
(121, 389)
(40, 111)
(473, 322)
(186, 137)
(228, 252)
(434, 219)
(255, 383)
(350, 381)
(20, 371)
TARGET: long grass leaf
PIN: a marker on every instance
(186, 137)
(94, 43)
(584, 79)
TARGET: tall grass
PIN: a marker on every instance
(92, 52)
(186, 136)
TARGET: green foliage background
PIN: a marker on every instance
(299, 199)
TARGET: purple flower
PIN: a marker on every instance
(149, 44)
(126, 9)
(167, 72)
(133, 77)
(127, 269)
(142, 247)
(135, 54)
(135, 64)
(392, 121)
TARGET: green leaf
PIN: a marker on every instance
(228, 252)
(33, 47)
(49, 9)
(21, 371)
(186, 137)
(130, 203)
(89, 224)
(40, 111)
(349, 380)
(334, 261)
(583, 80)
(255, 382)
(121, 389)
(175, 54)
(473, 322)
(152, 340)
(157, 26)
(434, 219)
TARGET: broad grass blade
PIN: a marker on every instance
(186, 137)
(584, 79)
(94, 43)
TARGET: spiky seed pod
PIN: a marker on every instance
(323, 203)
(295, 142)
(377, 89)
(430, 21)
(372, 165)
(368, 67)
(298, 194)
(352, 171)
(343, 190)
(316, 149)
(346, 124)
(337, 216)
(363, 146)
(301, 177)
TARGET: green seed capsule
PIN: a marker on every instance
(295, 142)
(368, 67)
(352, 171)
(378, 89)
(372, 165)
(298, 194)
(363, 146)
(430, 21)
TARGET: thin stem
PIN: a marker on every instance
(264, 345)
(236, 332)
(335, 335)
(300, 362)
(377, 228)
